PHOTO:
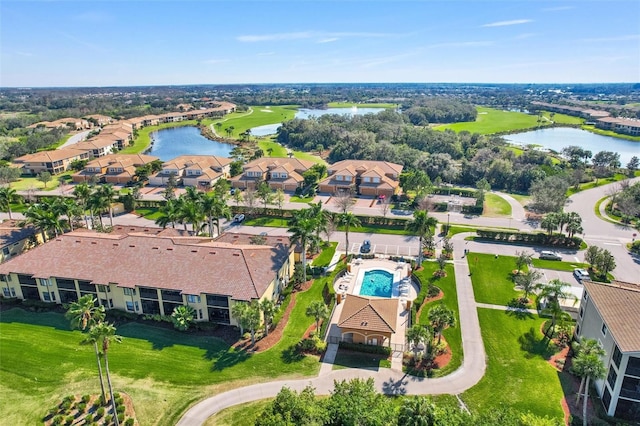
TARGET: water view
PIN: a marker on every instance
(304, 113)
(559, 137)
(171, 143)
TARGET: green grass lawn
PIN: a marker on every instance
(239, 415)
(277, 150)
(259, 116)
(296, 199)
(27, 183)
(452, 335)
(496, 206)
(324, 259)
(593, 129)
(301, 155)
(273, 222)
(145, 365)
(458, 229)
(558, 266)
(518, 375)
(348, 359)
(563, 118)
(596, 183)
(491, 120)
(151, 213)
(491, 278)
(522, 199)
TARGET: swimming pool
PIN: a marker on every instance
(377, 282)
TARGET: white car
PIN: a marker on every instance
(581, 274)
(550, 255)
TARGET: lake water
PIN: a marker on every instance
(171, 143)
(304, 113)
(559, 137)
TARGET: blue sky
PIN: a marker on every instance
(88, 43)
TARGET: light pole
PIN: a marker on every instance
(448, 217)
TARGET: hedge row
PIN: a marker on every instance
(370, 349)
(539, 238)
(463, 192)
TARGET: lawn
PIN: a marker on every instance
(595, 183)
(27, 183)
(458, 229)
(492, 120)
(273, 222)
(563, 118)
(348, 359)
(602, 132)
(277, 150)
(522, 199)
(239, 415)
(558, 266)
(496, 206)
(259, 116)
(518, 375)
(324, 258)
(150, 213)
(144, 365)
(491, 278)
(450, 299)
(301, 155)
(296, 199)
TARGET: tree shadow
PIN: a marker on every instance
(395, 387)
(531, 343)
(226, 358)
(517, 309)
(291, 355)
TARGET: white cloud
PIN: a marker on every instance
(508, 23)
(327, 36)
(557, 9)
(24, 54)
(461, 44)
(525, 35)
(616, 38)
(266, 53)
(215, 61)
(328, 40)
(92, 16)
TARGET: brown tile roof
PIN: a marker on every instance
(369, 314)
(186, 161)
(133, 159)
(353, 165)
(271, 163)
(48, 156)
(619, 306)
(192, 265)
(11, 233)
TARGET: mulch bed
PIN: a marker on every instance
(427, 300)
(275, 335)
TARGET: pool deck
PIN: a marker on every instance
(349, 284)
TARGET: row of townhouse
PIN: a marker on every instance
(371, 178)
(200, 171)
(112, 138)
(112, 168)
(610, 314)
(625, 126)
(586, 113)
(152, 271)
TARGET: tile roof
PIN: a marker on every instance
(385, 166)
(619, 306)
(11, 233)
(192, 265)
(49, 156)
(369, 314)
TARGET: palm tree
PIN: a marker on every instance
(419, 226)
(417, 334)
(8, 196)
(105, 333)
(82, 314)
(191, 212)
(98, 204)
(549, 223)
(82, 192)
(213, 208)
(44, 217)
(348, 220)
(238, 311)
(321, 217)
(523, 258)
(586, 347)
(528, 282)
(591, 367)
(107, 193)
(69, 208)
(182, 317)
(268, 309)
(441, 317)
(417, 411)
(192, 194)
(169, 214)
(318, 310)
(552, 292)
(302, 232)
(253, 320)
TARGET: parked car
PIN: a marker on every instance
(550, 255)
(581, 274)
(238, 218)
(365, 247)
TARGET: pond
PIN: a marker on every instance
(304, 113)
(559, 137)
(171, 143)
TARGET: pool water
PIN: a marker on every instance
(377, 283)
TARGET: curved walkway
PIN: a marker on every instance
(517, 209)
(212, 126)
(388, 381)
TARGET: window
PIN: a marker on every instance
(584, 295)
(339, 177)
(366, 179)
(5, 251)
(130, 291)
(612, 377)
(53, 296)
(581, 311)
(376, 180)
(283, 175)
(5, 292)
(44, 282)
(193, 299)
(347, 178)
(604, 329)
(617, 356)
(200, 313)
(137, 306)
(606, 398)
(46, 296)
(111, 303)
(633, 366)
(104, 288)
(129, 306)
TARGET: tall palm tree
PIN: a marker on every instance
(417, 411)
(419, 225)
(549, 223)
(523, 258)
(586, 347)
(192, 194)
(348, 220)
(528, 282)
(441, 317)
(82, 314)
(98, 204)
(253, 321)
(591, 367)
(417, 334)
(191, 212)
(302, 232)
(169, 214)
(69, 208)
(268, 309)
(105, 334)
(8, 196)
(553, 292)
(82, 192)
(108, 194)
(319, 311)
(44, 217)
(239, 312)
(214, 207)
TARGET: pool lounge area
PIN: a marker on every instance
(390, 280)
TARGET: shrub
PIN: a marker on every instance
(82, 407)
(129, 422)
(370, 349)
(69, 420)
(312, 345)
(99, 412)
(108, 419)
(121, 418)
(57, 420)
(65, 405)
(86, 398)
(433, 291)
(120, 407)
(635, 247)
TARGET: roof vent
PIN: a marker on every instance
(78, 241)
(236, 254)
(155, 248)
(169, 248)
(212, 252)
(194, 251)
(236, 236)
(131, 245)
(116, 244)
(93, 242)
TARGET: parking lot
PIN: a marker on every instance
(385, 249)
